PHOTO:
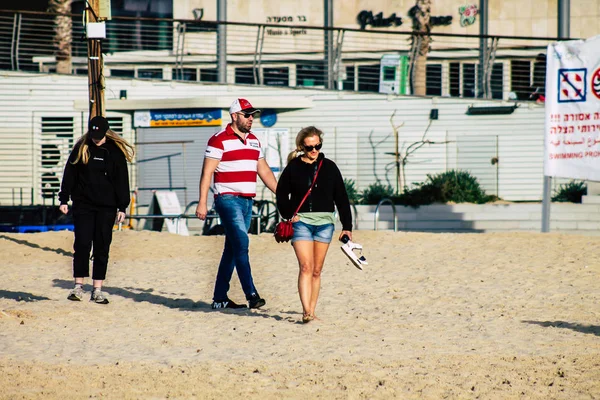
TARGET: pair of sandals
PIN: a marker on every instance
(306, 318)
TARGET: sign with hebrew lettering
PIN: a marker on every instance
(572, 137)
(177, 117)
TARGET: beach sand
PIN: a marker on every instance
(507, 315)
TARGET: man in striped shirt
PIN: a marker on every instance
(235, 158)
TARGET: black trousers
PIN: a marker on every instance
(92, 226)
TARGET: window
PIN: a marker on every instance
(55, 145)
(433, 80)
(276, 76)
(520, 77)
(209, 75)
(368, 78)
(539, 75)
(185, 74)
(455, 79)
(348, 83)
(469, 82)
(310, 75)
(150, 73)
(244, 75)
(122, 73)
(389, 74)
(496, 80)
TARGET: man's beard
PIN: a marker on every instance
(242, 127)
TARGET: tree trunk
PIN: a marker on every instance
(63, 34)
(420, 42)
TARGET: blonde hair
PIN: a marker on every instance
(83, 153)
(303, 134)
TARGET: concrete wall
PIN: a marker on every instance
(516, 217)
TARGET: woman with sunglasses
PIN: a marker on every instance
(315, 222)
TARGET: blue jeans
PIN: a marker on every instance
(236, 214)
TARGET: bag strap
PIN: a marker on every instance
(309, 190)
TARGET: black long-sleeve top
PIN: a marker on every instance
(103, 181)
(329, 190)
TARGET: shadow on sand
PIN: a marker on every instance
(21, 296)
(148, 295)
(589, 329)
(37, 246)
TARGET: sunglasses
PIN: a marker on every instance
(311, 148)
(249, 115)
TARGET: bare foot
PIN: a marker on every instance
(306, 318)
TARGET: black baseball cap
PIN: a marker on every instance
(98, 127)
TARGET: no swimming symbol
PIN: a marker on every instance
(572, 86)
(596, 83)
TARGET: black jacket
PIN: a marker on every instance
(103, 181)
(329, 189)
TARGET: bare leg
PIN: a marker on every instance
(304, 254)
(319, 253)
(98, 284)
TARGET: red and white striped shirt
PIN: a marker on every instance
(238, 162)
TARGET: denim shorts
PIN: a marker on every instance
(313, 233)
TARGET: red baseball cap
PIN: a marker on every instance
(242, 105)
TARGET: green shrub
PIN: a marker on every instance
(375, 192)
(353, 195)
(570, 192)
(450, 186)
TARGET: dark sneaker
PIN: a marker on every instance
(256, 301)
(216, 305)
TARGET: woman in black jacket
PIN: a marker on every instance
(314, 223)
(97, 182)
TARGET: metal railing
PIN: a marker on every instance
(284, 55)
(376, 217)
(212, 215)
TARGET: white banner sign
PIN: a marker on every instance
(572, 140)
(275, 145)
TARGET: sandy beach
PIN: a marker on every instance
(433, 316)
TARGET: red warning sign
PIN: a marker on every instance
(596, 83)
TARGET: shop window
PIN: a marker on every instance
(310, 75)
(150, 73)
(368, 78)
(348, 83)
(244, 75)
(520, 78)
(497, 81)
(209, 75)
(185, 74)
(433, 80)
(122, 73)
(454, 79)
(276, 76)
(469, 80)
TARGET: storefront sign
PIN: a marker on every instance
(177, 117)
(366, 18)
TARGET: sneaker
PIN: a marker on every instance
(256, 301)
(76, 294)
(216, 305)
(99, 297)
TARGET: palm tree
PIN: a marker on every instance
(420, 42)
(63, 34)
